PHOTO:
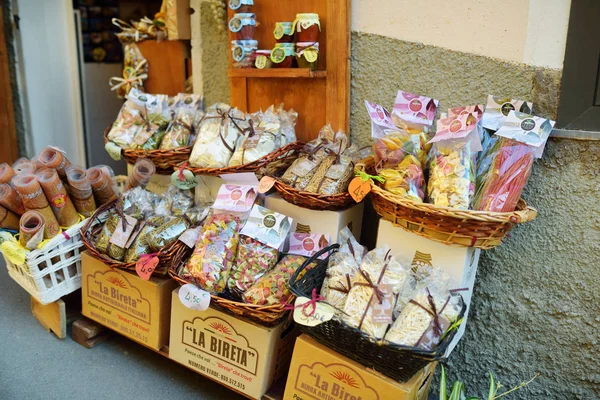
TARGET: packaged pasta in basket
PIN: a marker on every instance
(217, 136)
(429, 311)
(341, 269)
(521, 139)
(130, 119)
(370, 303)
(258, 249)
(156, 117)
(497, 110)
(452, 168)
(187, 109)
(273, 287)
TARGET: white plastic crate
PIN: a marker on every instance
(54, 271)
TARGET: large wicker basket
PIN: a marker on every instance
(398, 362)
(255, 166)
(482, 229)
(264, 315)
(313, 201)
(163, 160)
(95, 222)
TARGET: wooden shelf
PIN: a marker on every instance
(275, 73)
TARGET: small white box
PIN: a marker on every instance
(458, 262)
(318, 221)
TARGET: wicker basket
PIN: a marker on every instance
(163, 160)
(313, 201)
(482, 229)
(398, 362)
(255, 166)
(95, 222)
(264, 315)
(53, 271)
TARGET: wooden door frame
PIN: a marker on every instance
(9, 151)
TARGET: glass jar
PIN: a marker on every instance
(307, 55)
(284, 32)
(307, 27)
(283, 55)
(242, 52)
(243, 26)
(262, 59)
(241, 6)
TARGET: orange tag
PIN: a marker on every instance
(146, 266)
(265, 184)
(358, 189)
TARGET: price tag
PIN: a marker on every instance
(193, 297)
(184, 179)
(358, 189)
(251, 141)
(15, 253)
(265, 184)
(190, 237)
(323, 312)
(146, 266)
(382, 312)
(113, 151)
(120, 236)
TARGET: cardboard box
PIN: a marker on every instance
(124, 302)
(316, 221)
(458, 262)
(317, 372)
(244, 356)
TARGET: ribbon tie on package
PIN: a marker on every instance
(311, 303)
(131, 76)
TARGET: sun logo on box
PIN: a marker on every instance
(345, 377)
(219, 327)
(117, 282)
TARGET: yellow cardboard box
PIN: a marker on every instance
(318, 373)
(126, 303)
(241, 355)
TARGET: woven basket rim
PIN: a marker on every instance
(146, 153)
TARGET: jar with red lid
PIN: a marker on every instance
(243, 26)
(262, 59)
(307, 27)
(241, 6)
(307, 55)
(283, 55)
(284, 32)
(243, 52)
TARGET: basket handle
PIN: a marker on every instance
(526, 215)
(328, 249)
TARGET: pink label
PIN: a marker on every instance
(414, 108)
(120, 237)
(307, 244)
(235, 198)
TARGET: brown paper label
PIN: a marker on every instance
(382, 312)
(120, 237)
(251, 141)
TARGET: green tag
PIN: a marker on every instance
(113, 151)
(184, 179)
(311, 54)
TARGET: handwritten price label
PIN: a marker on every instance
(323, 312)
(146, 266)
(358, 189)
(193, 297)
(265, 184)
(189, 181)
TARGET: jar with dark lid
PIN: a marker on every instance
(242, 52)
(283, 55)
(243, 26)
(307, 55)
(241, 6)
(284, 32)
(307, 27)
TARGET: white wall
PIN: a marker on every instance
(529, 31)
(51, 78)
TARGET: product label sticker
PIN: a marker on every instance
(184, 179)
(235, 198)
(135, 234)
(414, 108)
(145, 266)
(527, 129)
(311, 54)
(359, 189)
(59, 201)
(498, 108)
(432, 335)
(265, 184)
(144, 134)
(303, 166)
(113, 151)
(266, 226)
(252, 141)
(193, 297)
(307, 244)
(308, 314)
(336, 171)
(119, 237)
(382, 311)
(190, 237)
(261, 61)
